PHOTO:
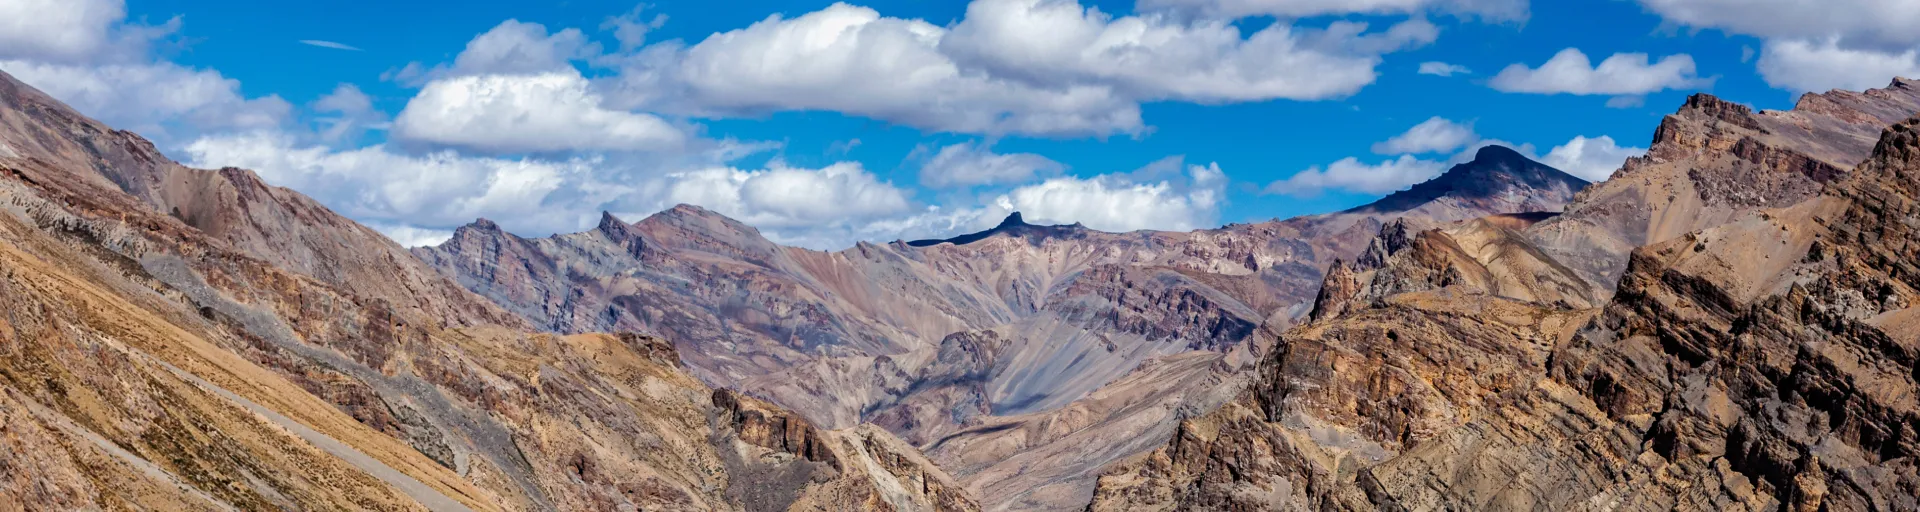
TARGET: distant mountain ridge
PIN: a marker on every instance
(1498, 178)
(1012, 225)
(953, 342)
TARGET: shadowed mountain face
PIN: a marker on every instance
(183, 339)
(1497, 180)
(953, 344)
(1766, 361)
(1013, 226)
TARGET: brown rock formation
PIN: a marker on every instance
(1757, 365)
(1714, 161)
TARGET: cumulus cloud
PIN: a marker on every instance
(84, 53)
(1436, 135)
(1153, 57)
(1814, 45)
(1035, 67)
(785, 197)
(1437, 68)
(170, 101)
(1818, 66)
(553, 111)
(1496, 10)
(971, 164)
(347, 112)
(1623, 74)
(1591, 159)
(1124, 202)
(1351, 175)
(852, 60)
(512, 47)
(409, 236)
(1881, 24)
(58, 30)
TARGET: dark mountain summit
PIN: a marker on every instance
(1013, 225)
(1496, 174)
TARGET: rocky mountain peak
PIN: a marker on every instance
(607, 220)
(1496, 174)
(693, 217)
(1013, 225)
(1013, 219)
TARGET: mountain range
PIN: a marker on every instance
(1722, 324)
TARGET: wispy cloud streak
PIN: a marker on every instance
(328, 44)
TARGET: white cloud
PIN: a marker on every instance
(1819, 66)
(1592, 159)
(970, 164)
(1351, 175)
(1121, 202)
(553, 111)
(1154, 57)
(84, 53)
(1882, 24)
(1437, 68)
(1623, 74)
(349, 113)
(850, 59)
(409, 236)
(784, 197)
(512, 47)
(169, 98)
(58, 30)
(328, 44)
(1814, 45)
(1497, 10)
(1036, 67)
(1436, 135)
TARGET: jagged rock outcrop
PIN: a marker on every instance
(1763, 364)
(1714, 161)
(196, 340)
(1047, 316)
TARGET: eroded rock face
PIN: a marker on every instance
(1764, 364)
(1792, 327)
(1714, 161)
(195, 340)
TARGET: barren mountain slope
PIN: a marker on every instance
(960, 342)
(1763, 364)
(214, 343)
(1714, 161)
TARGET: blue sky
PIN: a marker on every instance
(1246, 109)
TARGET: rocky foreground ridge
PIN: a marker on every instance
(1767, 362)
(184, 339)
